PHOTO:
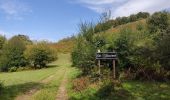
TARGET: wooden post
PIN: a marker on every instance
(99, 67)
(114, 70)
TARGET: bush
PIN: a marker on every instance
(1, 86)
(24, 68)
(124, 47)
(12, 54)
(83, 55)
(81, 84)
(13, 69)
(40, 54)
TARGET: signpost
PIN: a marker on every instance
(107, 56)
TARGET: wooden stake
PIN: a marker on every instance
(114, 70)
(99, 66)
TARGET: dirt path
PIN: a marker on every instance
(28, 94)
(62, 92)
(64, 61)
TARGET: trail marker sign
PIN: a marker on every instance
(106, 55)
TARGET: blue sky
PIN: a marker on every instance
(56, 19)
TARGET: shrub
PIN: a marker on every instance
(12, 54)
(124, 48)
(1, 86)
(40, 54)
(159, 26)
(13, 69)
(81, 84)
(83, 55)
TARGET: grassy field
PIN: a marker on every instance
(131, 90)
(17, 83)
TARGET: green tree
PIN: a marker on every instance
(25, 39)
(83, 55)
(159, 26)
(2, 41)
(132, 18)
(142, 15)
(124, 48)
(158, 22)
(40, 54)
(12, 55)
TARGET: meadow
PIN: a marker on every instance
(17, 84)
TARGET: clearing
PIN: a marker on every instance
(44, 84)
(54, 83)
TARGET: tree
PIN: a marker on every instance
(132, 18)
(40, 54)
(142, 15)
(12, 55)
(159, 26)
(158, 22)
(24, 38)
(2, 41)
(124, 48)
(83, 55)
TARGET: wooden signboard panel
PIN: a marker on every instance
(106, 55)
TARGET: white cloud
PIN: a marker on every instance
(99, 5)
(99, 2)
(4, 33)
(134, 6)
(14, 9)
(125, 7)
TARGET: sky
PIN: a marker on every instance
(56, 19)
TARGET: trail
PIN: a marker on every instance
(62, 92)
(63, 63)
(28, 94)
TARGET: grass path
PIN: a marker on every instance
(62, 91)
(27, 95)
(56, 89)
(54, 84)
(44, 84)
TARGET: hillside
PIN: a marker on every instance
(66, 45)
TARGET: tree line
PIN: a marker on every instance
(20, 52)
(106, 23)
(143, 53)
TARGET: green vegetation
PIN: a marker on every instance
(62, 45)
(130, 90)
(17, 83)
(20, 51)
(138, 49)
(106, 23)
(12, 54)
(49, 90)
(143, 60)
(40, 54)
(142, 43)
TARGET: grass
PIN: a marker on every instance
(17, 83)
(131, 90)
(48, 92)
(148, 90)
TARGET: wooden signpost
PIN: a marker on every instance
(107, 56)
